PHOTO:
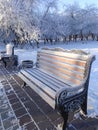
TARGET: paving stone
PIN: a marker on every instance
(16, 86)
(10, 92)
(7, 87)
(2, 97)
(10, 128)
(0, 123)
(1, 128)
(52, 114)
(58, 121)
(4, 82)
(33, 94)
(2, 93)
(24, 119)
(4, 108)
(20, 112)
(21, 94)
(35, 112)
(31, 126)
(37, 115)
(20, 81)
(14, 100)
(16, 127)
(17, 105)
(17, 90)
(89, 128)
(46, 125)
(12, 82)
(90, 123)
(3, 100)
(9, 122)
(12, 96)
(6, 114)
(13, 85)
(25, 99)
(71, 128)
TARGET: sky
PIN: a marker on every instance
(82, 3)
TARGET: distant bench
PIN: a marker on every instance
(61, 78)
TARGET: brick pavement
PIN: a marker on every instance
(22, 109)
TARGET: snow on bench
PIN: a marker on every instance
(61, 78)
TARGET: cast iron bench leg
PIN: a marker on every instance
(84, 105)
(65, 118)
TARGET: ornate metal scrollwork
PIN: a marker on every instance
(62, 97)
(74, 105)
(70, 103)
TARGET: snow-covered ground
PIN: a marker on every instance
(90, 46)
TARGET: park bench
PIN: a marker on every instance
(61, 78)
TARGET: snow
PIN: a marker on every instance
(89, 46)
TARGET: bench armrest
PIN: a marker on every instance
(68, 97)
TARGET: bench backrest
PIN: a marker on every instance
(70, 66)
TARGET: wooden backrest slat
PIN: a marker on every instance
(66, 54)
(72, 73)
(71, 66)
(61, 65)
(62, 59)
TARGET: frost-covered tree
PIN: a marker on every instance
(90, 19)
(72, 21)
(18, 18)
(80, 22)
(24, 20)
(48, 23)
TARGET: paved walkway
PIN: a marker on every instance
(22, 109)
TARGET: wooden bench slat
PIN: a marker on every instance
(66, 54)
(41, 85)
(57, 71)
(41, 78)
(62, 59)
(51, 78)
(62, 65)
(68, 80)
(42, 94)
(66, 71)
(55, 84)
(69, 84)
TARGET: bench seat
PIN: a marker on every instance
(46, 83)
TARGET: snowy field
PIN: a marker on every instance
(90, 46)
